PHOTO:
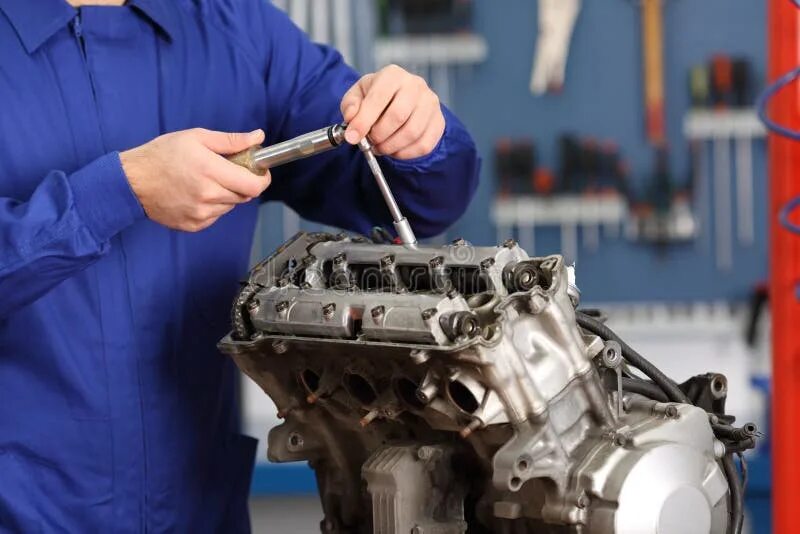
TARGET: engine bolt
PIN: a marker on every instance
(282, 306)
(378, 311)
(424, 453)
(453, 293)
(283, 282)
(487, 263)
(328, 310)
(339, 258)
(253, 305)
(386, 261)
(584, 501)
(459, 242)
(509, 243)
(620, 439)
(308, 260)
(436, 262)
(280, 346)
(419, 356)
(367, 419)
(428, 314)
(470, 428)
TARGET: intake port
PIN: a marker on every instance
(465, 395)
(309, 379)
(359, 388)
(407, 391)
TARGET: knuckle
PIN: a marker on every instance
(200, 214)
(416, 130)
(396, 114)
(232, 138)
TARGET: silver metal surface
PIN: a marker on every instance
(436, 390)
(401, 224)
(300, 147)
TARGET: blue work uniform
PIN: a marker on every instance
(117, 413)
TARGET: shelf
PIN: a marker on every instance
(442, 49)
(558, 210)
(711, 124)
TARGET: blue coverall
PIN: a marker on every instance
(117, 413)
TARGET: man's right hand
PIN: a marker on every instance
(184, 183)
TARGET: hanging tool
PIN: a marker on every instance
(722, 81)
(722, 202)
(699, 86)
(258, 160)
(653, 46)
(556, 22)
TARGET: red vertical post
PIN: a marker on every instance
(783, 33)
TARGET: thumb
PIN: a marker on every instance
(230, 142)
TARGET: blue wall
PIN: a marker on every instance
(602, 98)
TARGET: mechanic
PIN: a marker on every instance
(124, 233)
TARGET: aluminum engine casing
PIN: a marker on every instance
(449, 390)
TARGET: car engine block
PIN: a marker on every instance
(458, 389)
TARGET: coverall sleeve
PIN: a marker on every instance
(63, 227)
(305, 85)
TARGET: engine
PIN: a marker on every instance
(458, 389)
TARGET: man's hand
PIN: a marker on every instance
(184, 183)
(397, 110)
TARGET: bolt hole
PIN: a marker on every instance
(295, 441)
(522, 464)
(515, 483)
(359, 388)
(462, 397)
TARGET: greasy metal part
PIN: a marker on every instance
(401, 224)
(450, 389)
(258, 160)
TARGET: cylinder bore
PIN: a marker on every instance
(359, 388)
(407, 391)
(309, 379)
(463, 397)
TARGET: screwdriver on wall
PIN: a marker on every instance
(258, 160)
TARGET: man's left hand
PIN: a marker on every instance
(397, 110)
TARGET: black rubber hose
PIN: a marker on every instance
(737, 492)
(634, 358)
(642, 387)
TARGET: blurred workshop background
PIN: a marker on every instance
(621, 133)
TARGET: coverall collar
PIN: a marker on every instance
(36, 22)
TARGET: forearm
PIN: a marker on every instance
(61, 229)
